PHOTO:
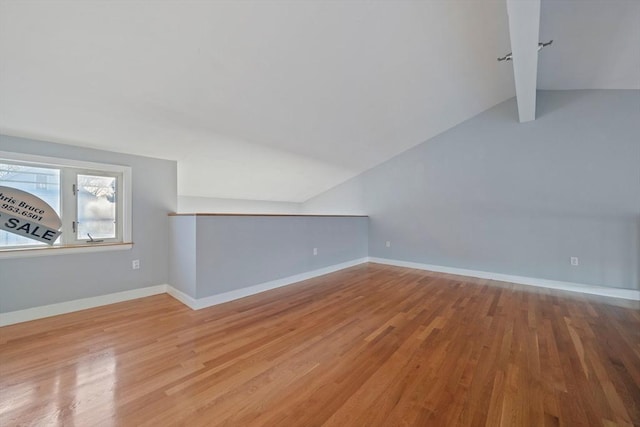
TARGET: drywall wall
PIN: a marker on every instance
(495, 195)
(32, 282)
(182, 254)
(189, 204)
(235, 252)
(344, 199)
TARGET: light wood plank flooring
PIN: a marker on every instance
(371, 345)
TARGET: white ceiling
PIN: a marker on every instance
(273, 100)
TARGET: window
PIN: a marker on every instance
(29, 178)
(92, 199)
(97, 202)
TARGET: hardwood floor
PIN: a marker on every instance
(371, 345)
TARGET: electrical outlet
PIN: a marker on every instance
(135, 264)
(388, 244)
(315, 251)
(575, 261)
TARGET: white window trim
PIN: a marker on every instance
(126, 207)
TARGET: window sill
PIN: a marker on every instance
(63, 250)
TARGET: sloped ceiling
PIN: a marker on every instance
(265, 100)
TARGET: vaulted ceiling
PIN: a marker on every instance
(281, 100)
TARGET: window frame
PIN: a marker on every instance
(69, 171)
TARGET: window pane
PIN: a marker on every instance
(41, 182)
(96, 207)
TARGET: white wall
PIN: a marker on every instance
(188, 204)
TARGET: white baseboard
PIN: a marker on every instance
(199, 303)
(629, 294)
(77, 305)
(34, 313)
(187, 300)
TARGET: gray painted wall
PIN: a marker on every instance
(234, 252)
(32, 282)
(495, 195)
(490, 194)
(182, 254)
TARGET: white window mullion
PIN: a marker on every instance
(68, 206)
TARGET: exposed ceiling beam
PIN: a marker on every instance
(524, 29)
